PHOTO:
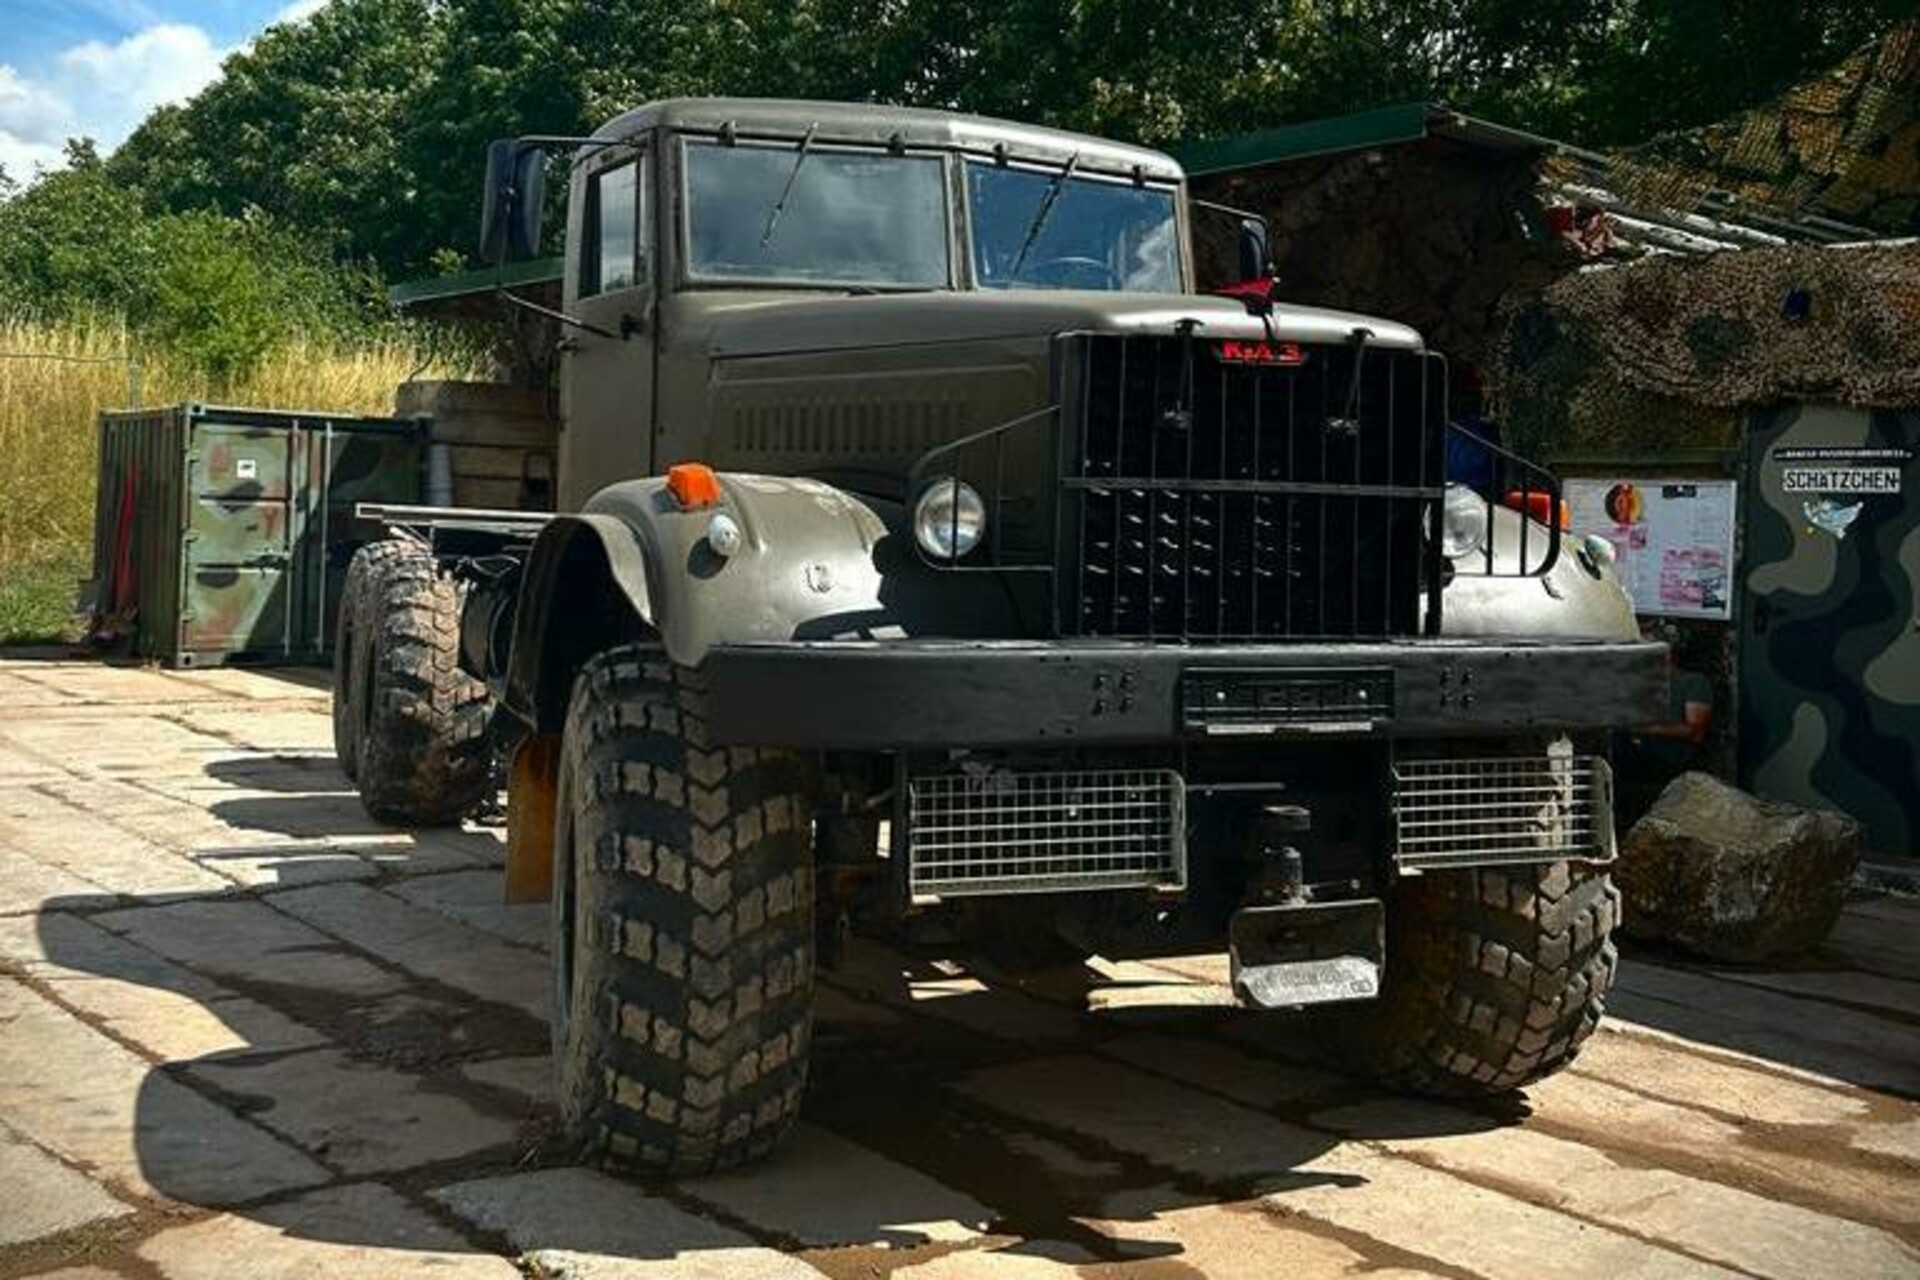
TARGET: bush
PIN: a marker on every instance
(218, 293)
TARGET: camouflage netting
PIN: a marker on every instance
(1845, 146)
(1424, 233)
(1669, 352)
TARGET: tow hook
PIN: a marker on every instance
(1288, 951)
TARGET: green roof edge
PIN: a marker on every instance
(1382, 126)
(409, 293)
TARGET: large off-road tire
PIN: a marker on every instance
(424, 759)
(350, 644)
(1495, 977)
(683, 927)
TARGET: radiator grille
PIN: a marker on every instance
(1504, 810)
(1004, 832)
(1208, 500)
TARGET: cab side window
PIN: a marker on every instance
(615, 257)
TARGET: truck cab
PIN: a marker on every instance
(716, 237)
(927, 545)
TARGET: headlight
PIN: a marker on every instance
(948, 519)
(1463, 522)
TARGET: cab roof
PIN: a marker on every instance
(787, 120)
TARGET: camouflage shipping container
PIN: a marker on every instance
(224, 533)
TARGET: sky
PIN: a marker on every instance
(95, 68)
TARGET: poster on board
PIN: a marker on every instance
(1672, 539)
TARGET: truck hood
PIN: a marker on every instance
(762, 325)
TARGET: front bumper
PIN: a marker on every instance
(912, 695)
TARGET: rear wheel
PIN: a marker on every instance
(683, 927)
(423, 756)
(350, 644)
(1495, 977)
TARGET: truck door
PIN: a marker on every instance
(607, 377)
(1829, 649)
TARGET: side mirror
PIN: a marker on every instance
(1254, 263)
(514, 200)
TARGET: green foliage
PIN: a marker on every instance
(364, 126)
(37, 598)
(72, 241)
(312, 123)
(218, 291)
(223, 292)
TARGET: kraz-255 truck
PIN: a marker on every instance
(927, 543)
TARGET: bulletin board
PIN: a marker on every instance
(1672, 540)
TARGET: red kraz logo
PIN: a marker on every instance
(1282, 353)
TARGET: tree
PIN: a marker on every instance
(365, 126)
(311, 123)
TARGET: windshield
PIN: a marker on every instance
(1095, 235)
(847, 218)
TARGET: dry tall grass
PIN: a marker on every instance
(55, 378)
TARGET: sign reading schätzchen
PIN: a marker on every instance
(1841, 469)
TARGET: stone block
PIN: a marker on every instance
(1722, 873)
(75, 1092)
(573, 1223)
(357, 1117)
(44, 1196)
(359, 1232)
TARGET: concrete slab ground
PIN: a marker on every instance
(246, 1031)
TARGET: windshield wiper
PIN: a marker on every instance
(773, 215)
(1042, 214)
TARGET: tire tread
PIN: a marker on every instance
(425, 758)
(1496, 976)
(695, 907)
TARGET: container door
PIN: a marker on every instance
(1829, 650)
(239, 543)
(346, 463)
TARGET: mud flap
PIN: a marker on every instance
(1289, 956)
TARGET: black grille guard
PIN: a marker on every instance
(1048, 523)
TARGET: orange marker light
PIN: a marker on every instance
(1539, 505)
(693, 485)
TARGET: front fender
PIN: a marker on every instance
(805, 568)
(584, 588)
(814, 563)
(1579, 598)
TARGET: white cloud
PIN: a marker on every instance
(298, 11)
(100, 91)
(31, 121)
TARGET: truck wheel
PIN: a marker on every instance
(423, 758)
(1495, 977)
(350, 655)
(683, 927)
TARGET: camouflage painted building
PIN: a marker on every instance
(1829, 635)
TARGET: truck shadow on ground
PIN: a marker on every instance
(306, 796)
(337, 1067)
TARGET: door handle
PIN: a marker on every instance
(1762, 615)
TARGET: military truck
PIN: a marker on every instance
(927, 546)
